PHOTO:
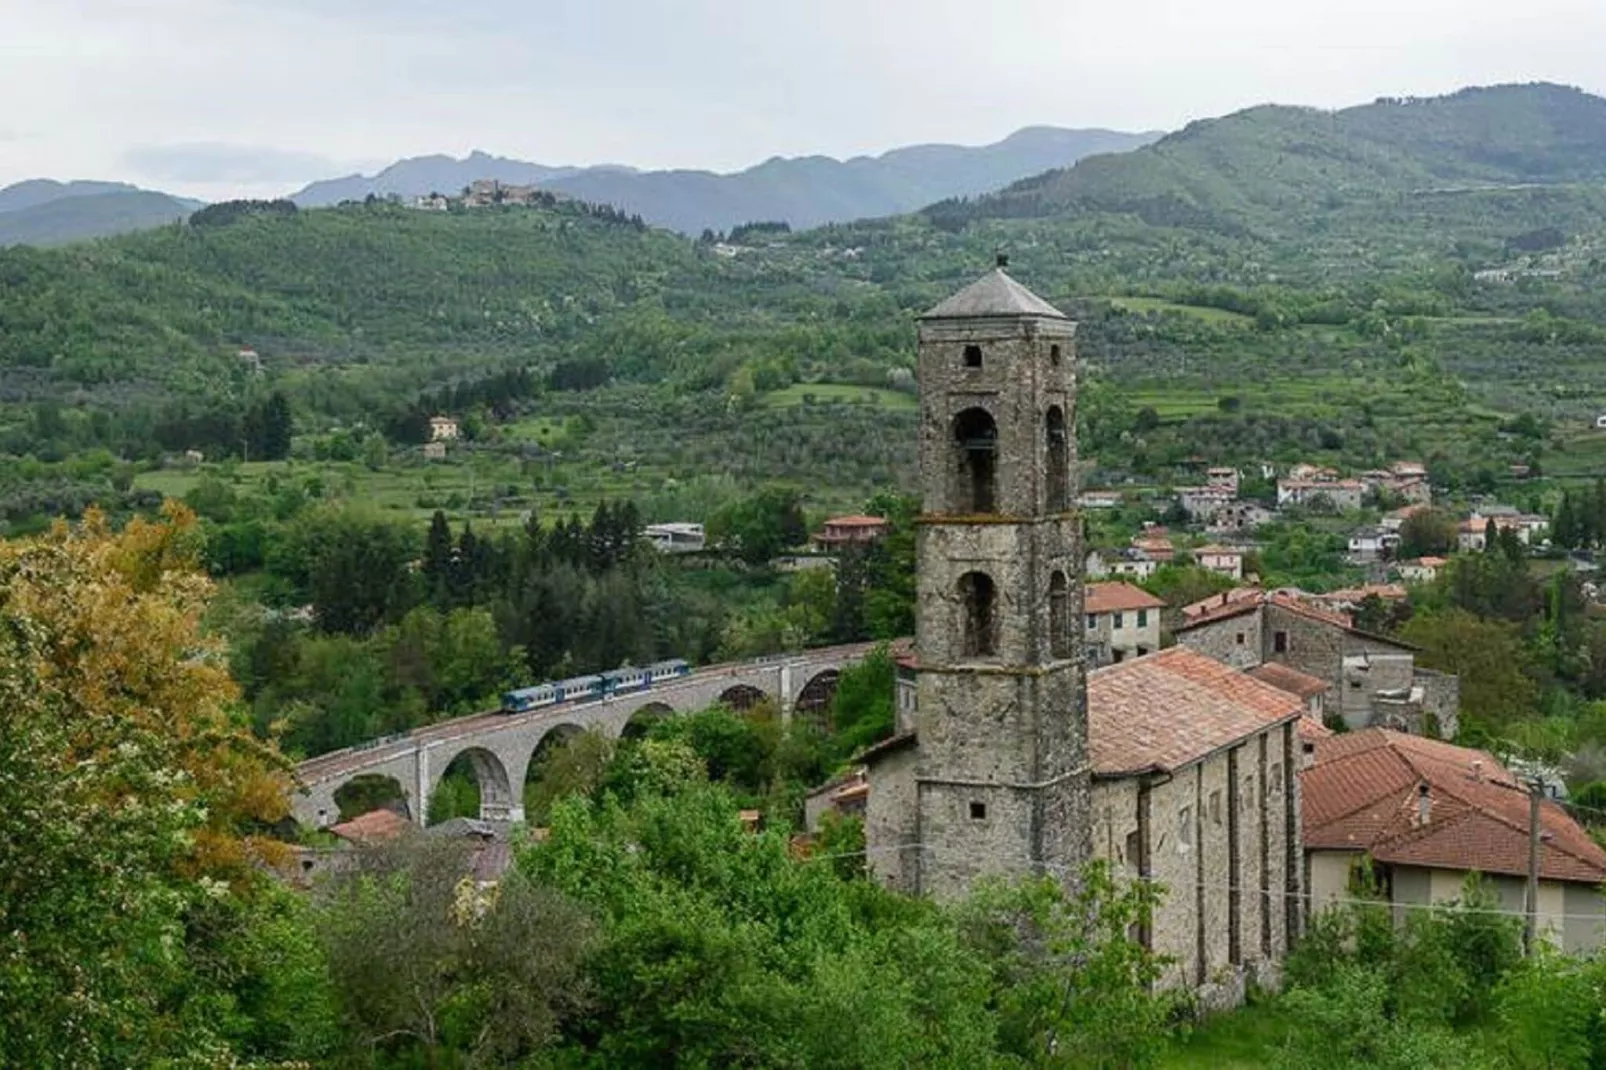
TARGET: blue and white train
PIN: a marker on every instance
(598, 685)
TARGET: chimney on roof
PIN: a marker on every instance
(1424, 804)
(1477, 770)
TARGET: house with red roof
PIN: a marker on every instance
(1426, 814)
(1123, 622)
(840, 531)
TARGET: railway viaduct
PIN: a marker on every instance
(500, 746)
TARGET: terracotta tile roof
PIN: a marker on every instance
(1170, 709)
(1219, 550)
(1291, 680)
(877, 751)
(856, 521)
(1362, 794)
(1110, 597)
(1292, 600)
(1312, 730)
(1427, 562)
(1216, 601)
(376, 826)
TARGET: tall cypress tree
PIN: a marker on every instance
(277, 426)
(438, 559)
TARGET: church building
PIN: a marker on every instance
(1010, 757)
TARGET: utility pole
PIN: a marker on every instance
(1530, 928)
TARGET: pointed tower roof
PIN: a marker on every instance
(994, 294)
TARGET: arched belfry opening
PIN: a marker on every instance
(1057, 461)
(976, 450)
(978, 606)
(1059, 615)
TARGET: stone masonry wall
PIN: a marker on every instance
(1235, 640)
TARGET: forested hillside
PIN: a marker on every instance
(1252, 169)
(1275, 283)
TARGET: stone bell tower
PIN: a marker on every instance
(1001, 773)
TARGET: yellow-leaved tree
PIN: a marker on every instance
(135, 807)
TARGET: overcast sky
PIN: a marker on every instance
(217, 98)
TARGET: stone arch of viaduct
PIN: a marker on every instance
(500, 746)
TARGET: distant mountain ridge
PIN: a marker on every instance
(1273, 165)
(42, 211)
(419, 176)
(802, 191)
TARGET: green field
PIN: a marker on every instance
(487, 487)
(1159, 305)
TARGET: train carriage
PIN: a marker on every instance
(622, 681)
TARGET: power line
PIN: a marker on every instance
(1449, 907)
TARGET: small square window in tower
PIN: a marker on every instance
(978, 811)
(973, 356)
(976, 443)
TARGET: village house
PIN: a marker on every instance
(435, 451)
(1472, 536)
(1395, 519)
(1407, 480)
(1123, 622)
(1131, 563)
(1204, 504)
(1238, 517)
(1305, 472)
(1421, 569)
(1371, 679)
(442, 429)
(1372, 544)
(1099, 499)
(675, 538)
(1222, 477)
(1227, 560)
(1349, 599)
(1427, 814)
(1344, 495)
(841, 531)
(1154, 543)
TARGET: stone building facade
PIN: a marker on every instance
(1196, 788)
(1372, 680)
(1123, 622)
(1000, 778)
